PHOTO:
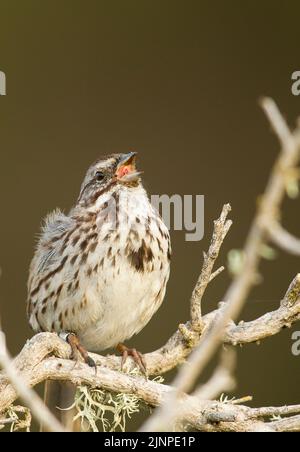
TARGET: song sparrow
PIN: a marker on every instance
(100, 273)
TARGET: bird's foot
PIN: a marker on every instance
(136, 356)
(76, 348)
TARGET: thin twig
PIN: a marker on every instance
(283, 239)
(221, 228)
(277, 122)
(216, 273)
(222, 380)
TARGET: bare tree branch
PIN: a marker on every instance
(221, 228)
(269, 208)
(221, 381)
(278, 124)
(283, 239)
(43, 345)
(290, 424)
(35, 367)
(36, 364)
(30, 398)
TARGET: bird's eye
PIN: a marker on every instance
(99, 176)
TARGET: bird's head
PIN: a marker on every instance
(108, 174)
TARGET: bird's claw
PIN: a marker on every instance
(76, 348)
(136, 356)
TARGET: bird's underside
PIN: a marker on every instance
(100, 272)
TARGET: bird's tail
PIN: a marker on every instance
(59, 397)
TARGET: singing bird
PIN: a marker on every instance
(100, 273)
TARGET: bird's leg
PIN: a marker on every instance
(75, 345)
(137, 357)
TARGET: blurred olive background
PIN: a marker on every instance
(179, 82)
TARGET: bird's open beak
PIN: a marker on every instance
(126, 169)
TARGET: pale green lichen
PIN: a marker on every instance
(233, 400)
(96, 406)
(226, 399)
(100, 410)
(293, 293)
(275, 418)
(19, 418)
